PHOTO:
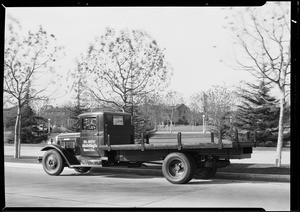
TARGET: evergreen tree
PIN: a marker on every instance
(258, 112)
(28, 119)
(74, 112)
(182, 114)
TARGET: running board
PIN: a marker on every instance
(84, 161)
(89, 161)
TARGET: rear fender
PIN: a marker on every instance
(69, 157)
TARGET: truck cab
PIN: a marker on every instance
(78, 150)
(99, 128)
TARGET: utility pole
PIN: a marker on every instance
(204, 124)
(204, 106)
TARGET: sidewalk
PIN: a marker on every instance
(259, 167)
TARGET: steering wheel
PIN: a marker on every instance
(92, 127)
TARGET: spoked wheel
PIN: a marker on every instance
(53, 163)
(178, 168)
(83, 170)
(205, 172)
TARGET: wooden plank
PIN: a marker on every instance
(178, 141)
(163, 146)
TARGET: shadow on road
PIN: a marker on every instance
(110, 175)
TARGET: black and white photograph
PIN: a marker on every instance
(148, 107)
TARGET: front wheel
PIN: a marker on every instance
(178, 168)
(53, 163)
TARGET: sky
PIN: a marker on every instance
(194, 38)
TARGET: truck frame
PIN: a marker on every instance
(107, 139)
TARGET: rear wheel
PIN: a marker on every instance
(82, 170)
(53, 163)
(205, 172)
(178, 168)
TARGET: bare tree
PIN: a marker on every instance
(197, 106)
(125, 66)
(263, 42)
(24, 57)
(170, 102)
(79, 102)
(153, 108)
(220, 102)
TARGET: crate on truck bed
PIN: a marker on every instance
(107, 139)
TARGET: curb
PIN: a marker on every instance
(219, 175)
(158, 172)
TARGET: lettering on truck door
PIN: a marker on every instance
(89, 138)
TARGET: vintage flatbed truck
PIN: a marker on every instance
(107, 139)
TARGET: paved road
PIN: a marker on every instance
(27, 185)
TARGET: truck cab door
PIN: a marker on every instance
(89, 136)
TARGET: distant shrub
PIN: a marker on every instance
(268, 144)
(263, 136)
(10, 138)
(287, 137)
(182, 122)
(30, 136)
(27, 137)
(40, 139)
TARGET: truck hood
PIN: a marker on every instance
(68, 135)
(63, 136)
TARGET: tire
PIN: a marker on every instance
(53, 163)
(178, 168)
(193, 166)
(82, 170)
(205, 172)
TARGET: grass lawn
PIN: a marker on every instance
(42, 144)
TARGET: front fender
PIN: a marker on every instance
(68, 156)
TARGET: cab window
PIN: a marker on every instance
(89, 123)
